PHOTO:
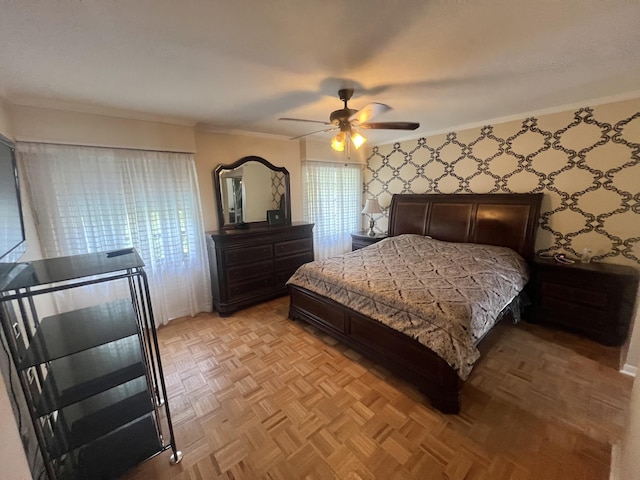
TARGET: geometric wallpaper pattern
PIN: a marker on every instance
(278, 189)
(587, 167)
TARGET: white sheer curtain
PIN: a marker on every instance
(89, 199)
(333, 201)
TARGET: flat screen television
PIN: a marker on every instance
(12, 236)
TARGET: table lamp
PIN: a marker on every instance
(371, 207)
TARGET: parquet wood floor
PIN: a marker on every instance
(258, 396)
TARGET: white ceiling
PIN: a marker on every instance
(239, 65)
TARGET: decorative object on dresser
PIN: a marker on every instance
(276, 217)
(593, 299)
(371, 208)
(253, 265)
(506, 220)
(363, 239)
(92, 377)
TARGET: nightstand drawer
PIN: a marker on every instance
(595, 299)
(574, 295)
(362, 239)
(573, 314)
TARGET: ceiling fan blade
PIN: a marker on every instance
(304, 120)
(369, 111)
(312, 133)
(391, 125)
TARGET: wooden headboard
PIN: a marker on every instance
(508, 219)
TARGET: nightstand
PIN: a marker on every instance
(362, 239)
(593, 299)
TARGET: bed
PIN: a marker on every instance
(421, 225)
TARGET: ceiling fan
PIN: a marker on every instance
(348, 120)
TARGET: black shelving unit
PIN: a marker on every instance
(92, 378)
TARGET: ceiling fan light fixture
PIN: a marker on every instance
(345, 118)
(338, 142)
(357, 139)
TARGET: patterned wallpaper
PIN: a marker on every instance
(278, 189)
(586, 162)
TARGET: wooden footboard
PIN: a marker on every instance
(402, 355)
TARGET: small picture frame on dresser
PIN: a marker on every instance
(276, 217)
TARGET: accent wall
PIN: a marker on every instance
(586, 161)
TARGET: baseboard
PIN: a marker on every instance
(629, 370)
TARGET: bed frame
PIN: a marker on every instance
(509, 220)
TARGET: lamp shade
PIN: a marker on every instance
(338, 142)
(372, 206)
(357, 139)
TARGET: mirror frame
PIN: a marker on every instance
(238, 163)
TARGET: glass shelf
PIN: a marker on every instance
(81, 375)
(85, 421)
(78, 330)
(52, 270)
(91, 376)
(112, 455)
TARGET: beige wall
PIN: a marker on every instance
(627, 465)
(5, 124)
(12, 457)
(32, 124)
(256, 186)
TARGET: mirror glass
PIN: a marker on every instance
(247, 189)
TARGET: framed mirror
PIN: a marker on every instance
(248, 189)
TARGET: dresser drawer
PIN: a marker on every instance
(246, 271)
(238, 256)
(294, 246)
(283, 277)
(249, 288)
(243, 267)
(292, 262)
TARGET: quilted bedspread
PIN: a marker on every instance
(445, 295)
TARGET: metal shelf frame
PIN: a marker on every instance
(20, 323)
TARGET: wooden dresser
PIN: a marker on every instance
(253, 265)
(593, 299)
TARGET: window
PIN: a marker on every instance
(332, 201)
(98, 199)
